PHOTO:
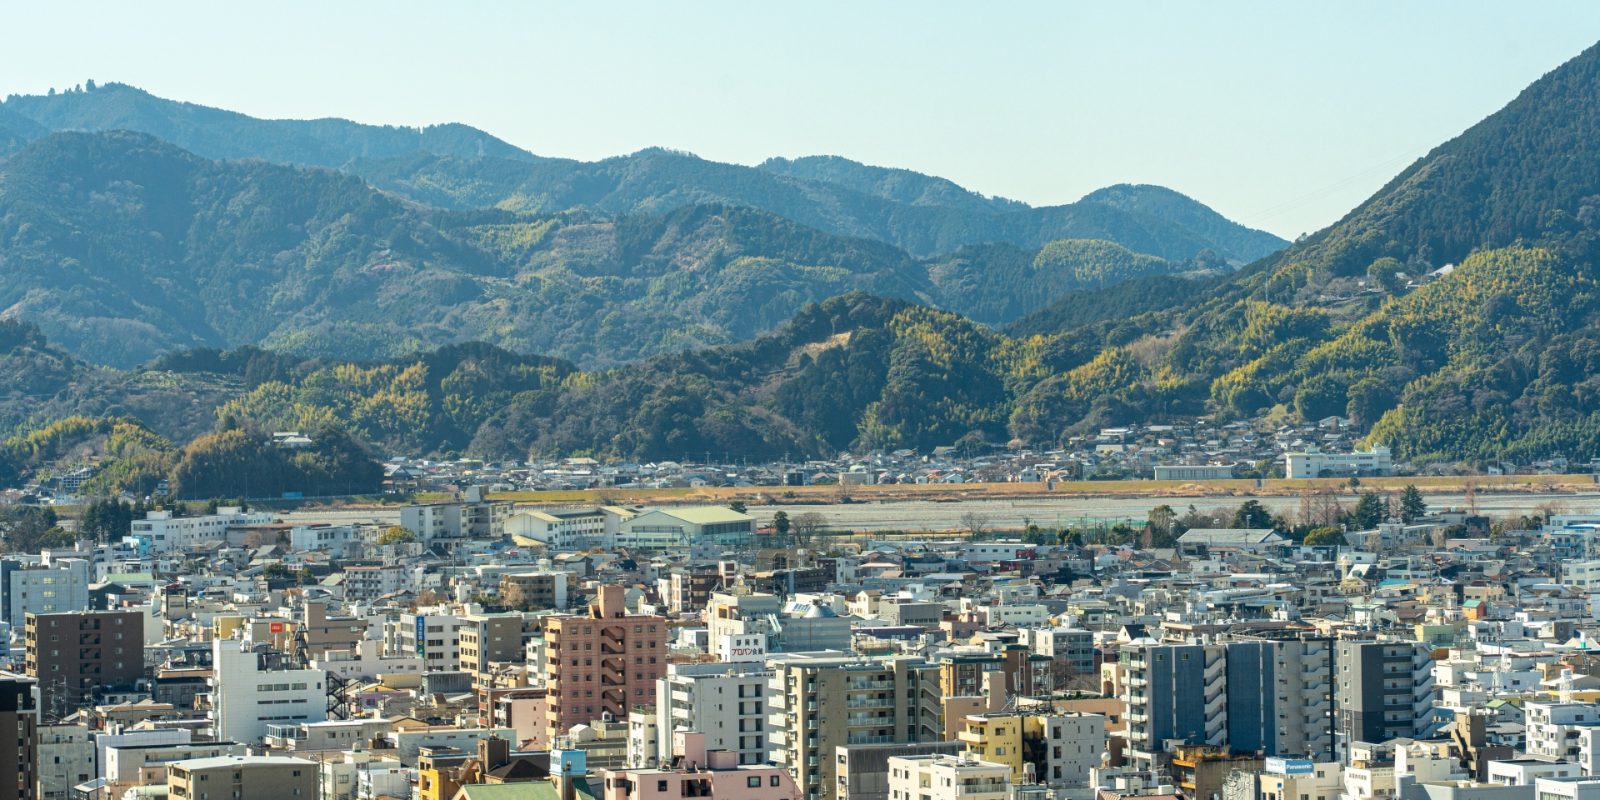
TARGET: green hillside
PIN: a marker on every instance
(458, 167)
(123, 247)
(218, 134)
(1246, 244)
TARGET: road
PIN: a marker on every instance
(916, 515)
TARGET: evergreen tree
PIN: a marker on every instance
(1412, 505)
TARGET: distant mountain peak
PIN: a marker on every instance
(890, 183)
(1242, 244)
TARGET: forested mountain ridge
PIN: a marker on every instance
(457, 167)
(123, 247)
(1248, 243)
(1489, 361)
(225, 135)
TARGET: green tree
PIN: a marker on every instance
(396, 535)
(780, 523)
(737, 506)
(1251, 514)
(1412, 506)
(304, 577)
(1386, 273)
(1369, 399)
(1318, 397)
(1370, 510)
(1324, 537)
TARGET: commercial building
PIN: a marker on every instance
(823, 702)
(242, 778)
(1313, 463)
(1023, 673)
(689, 587)
(19, 744)
(247, 695)
(561, 530)
(943, 777)
(76, 656)
(726, 702)
(62, 585)
(605, 662)
(1385, 690)
(1072, 650)
(1196, 472)
(166, 533)
(663, 529)
(318, 633)
(863, 769)
(430, 637)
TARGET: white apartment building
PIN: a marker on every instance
(367, 661)
(356, 773)
(1020, 616)
(66, 759)
(371, 583)
(1581, 574)
(1294, 778)
(167, 533)
(644, 738)
(726, 702)
(246, 697)
(1073, 645)
(946, 777)
(336, 539)
(1313, 463)
(1564, 731)
(1004, 550)
(430, 637)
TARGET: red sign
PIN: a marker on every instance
(276, 627)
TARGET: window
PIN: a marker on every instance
(661, 786)
(754, 781)
(775, 779)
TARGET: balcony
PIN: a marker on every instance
(884, 702)
(867, 720)
(981, 789)
(864, 686)
(854, 739)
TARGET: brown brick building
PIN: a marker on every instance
(607, 661)
(73, 655)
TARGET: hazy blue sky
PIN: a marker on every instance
(1281, 115)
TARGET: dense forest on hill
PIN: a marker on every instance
(123, 247)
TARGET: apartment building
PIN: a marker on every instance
(318, 633)
(474, 517)
(76, 656)
(19, 745)
(539, 589)
(605, 662)
(1052, 749)
(242, 778)
(1564, 732)
(1272, 696)
(1025, 673)
(167, 534)
(247, 695)
(944, 777)
(1385, 690)
(486, 640)
(689, 587)
(62, 585)
(1072, 649)
(431, 637)
(726, 702)
(823, 702)
(702, 772)
(373, 582)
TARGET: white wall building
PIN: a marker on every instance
(1313, 463)
(333, 538)
(1564, 731)
(946, 777)
(561, 530)
(367, 661)
(726, 702)
(245, 698)
(166, 533)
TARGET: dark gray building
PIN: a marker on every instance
(1386, 690)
